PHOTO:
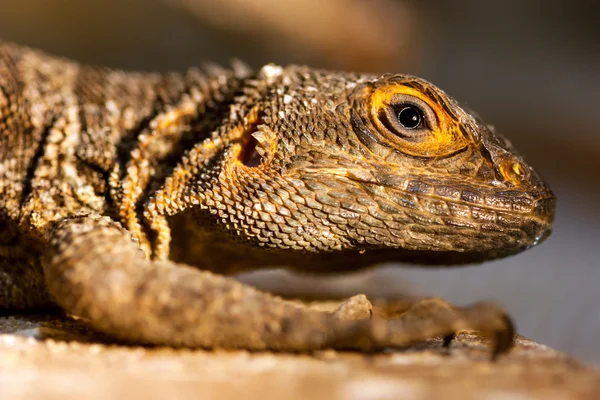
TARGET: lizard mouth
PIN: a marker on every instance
(454, 216)
(459, 218)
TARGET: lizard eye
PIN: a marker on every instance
(415, 122)
(410, 117)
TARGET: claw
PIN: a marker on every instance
(448, 339)
(502, 340)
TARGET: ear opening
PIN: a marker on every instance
(249, 155)
(257, 141)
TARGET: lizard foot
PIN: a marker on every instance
(430, 318)
(486, 317)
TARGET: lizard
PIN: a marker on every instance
(127, 199)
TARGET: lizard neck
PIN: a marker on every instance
(151, 158)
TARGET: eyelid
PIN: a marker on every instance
(429, 115)
(388, 118)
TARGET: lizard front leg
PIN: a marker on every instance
(21, 282)
(22, 285)
(95, 270)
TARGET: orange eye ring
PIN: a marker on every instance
(439, 134)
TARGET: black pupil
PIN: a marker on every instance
(410, 117)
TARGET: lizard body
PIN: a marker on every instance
(112, 184)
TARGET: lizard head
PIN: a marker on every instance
(345, 170)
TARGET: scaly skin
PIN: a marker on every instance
(111, 182)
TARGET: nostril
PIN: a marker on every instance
(517, 169)
(513, 171)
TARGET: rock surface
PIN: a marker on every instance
(52, 357)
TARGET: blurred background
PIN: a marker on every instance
(531, 68)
